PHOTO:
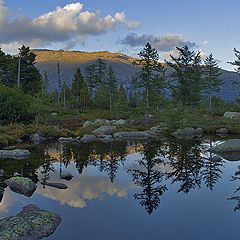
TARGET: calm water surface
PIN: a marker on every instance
(154, 190)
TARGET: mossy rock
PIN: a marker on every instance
(21, 185)
(31, 223)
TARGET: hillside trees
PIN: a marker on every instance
(186, 81)
(212, 81)
(150, 78)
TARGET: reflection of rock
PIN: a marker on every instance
(67, 176)
(104, 130)
(215, 158)
(31, 223)
(230, 156)
(55, 185)
(15, 154)
(222, 132)
(21, 185)
(232, 145)
(141, 135)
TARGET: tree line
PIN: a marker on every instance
(186, 79)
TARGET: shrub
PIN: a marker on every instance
(15, 106)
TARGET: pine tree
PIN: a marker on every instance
(30, 78)
(237, 61)
(186, 79)
(80, 89)
(212, 81)
(112, 86)
(90, 76)
(151, 76)
(121, 105)
(101, 68)
(102, 97)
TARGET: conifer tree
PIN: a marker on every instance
(90, 76)
(58, 82)
(112, 86)
(30, 78)
(151, 75)
(121, 105)
(77, 84)
(212, 81)
(186, 79)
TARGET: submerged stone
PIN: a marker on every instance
(55, 185)
(21, 185)
(31, 223)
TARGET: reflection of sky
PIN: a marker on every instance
(82, 188)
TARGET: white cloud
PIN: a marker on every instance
(64, 24)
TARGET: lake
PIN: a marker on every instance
(168, 189)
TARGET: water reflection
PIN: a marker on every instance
(184, 163)
(149, 178)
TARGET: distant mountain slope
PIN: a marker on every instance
(121, 64)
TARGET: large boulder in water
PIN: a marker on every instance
(15, 154)
(104, 130)
(21, 185)
(31, 223)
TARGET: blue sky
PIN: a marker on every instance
(211, 26)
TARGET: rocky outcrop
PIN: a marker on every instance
(31, 223)
(37, 138)
(134, 135)
(15, 154)
(55, 185)
(232, 115)
(21, 185)
(88, 138)
(104, 130)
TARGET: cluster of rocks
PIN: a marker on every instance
(99, 122)
(107, 133)
(187, 133)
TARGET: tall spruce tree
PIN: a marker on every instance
(112, 86)
(236, 62)
(90, 76)
(186, 78)
(29, 76)
(80, 89)
(212, 81)
(151, 76)
(121, 104)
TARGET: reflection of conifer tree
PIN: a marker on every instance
(186, 161)
(211, 171)
(2, 185)
(111, 157)
(149, 177)
(236, 198)
(46, 169)
(66, 154)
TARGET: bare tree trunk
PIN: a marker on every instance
(110, 106)
(210, 101)
(64, 98)
(19, 70)
(148, 120)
